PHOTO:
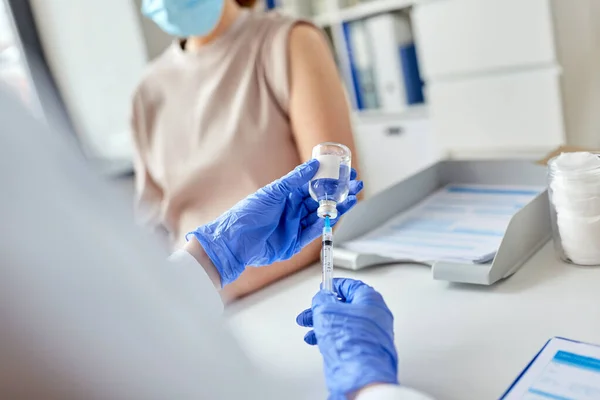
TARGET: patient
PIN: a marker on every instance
(239, 101)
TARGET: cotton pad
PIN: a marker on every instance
(574, 188)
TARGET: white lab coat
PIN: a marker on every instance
(89, 308)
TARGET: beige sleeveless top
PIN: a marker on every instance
(212, 126)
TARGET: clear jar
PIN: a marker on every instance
(574, 193)
(331, 183)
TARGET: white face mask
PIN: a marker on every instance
(184, 18)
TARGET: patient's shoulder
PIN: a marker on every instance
(157, 71)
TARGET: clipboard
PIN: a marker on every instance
(562, 369)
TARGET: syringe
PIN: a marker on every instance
(327, 257)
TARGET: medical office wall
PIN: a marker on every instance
(511, 76)
(96, 53)
(155, 40)
(502, 78)
(24, 67)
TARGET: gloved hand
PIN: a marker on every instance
(355, 336)
(270, 225)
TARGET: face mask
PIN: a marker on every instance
(184, 18)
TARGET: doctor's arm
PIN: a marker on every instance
(355, 334)
(388, 392)
(273, 224)
(371, 391)
(194, 249)
(88, 306)
(354, 331)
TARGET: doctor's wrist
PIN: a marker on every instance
(195, 249)
(215, 247)
(360, 393)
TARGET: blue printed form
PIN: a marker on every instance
(458, 223)
(564, 370)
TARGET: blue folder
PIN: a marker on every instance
(412, 77)
(353, 70)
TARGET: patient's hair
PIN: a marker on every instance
(246, 3)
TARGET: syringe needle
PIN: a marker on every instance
(327, 257)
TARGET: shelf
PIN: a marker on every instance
(361, 10)
(413, 112)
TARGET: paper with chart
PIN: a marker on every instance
(564, 370)
(460, 223)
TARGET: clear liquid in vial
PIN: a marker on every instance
(331, 189)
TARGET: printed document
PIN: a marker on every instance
(563, 370)
(460, 223)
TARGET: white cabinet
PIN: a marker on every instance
(467, 36)
(510, 111)
(390, 151)
(96, 53)
(510, 76)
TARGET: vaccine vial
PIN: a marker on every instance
(330, 185)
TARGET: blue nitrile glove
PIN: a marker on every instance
(270, 225)
(355, 336)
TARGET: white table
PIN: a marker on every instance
(454, 341)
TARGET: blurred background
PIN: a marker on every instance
(427, 79)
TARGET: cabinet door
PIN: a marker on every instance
(518, 111)
(388, 152)
(457, 37)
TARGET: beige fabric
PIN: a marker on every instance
(212, 126)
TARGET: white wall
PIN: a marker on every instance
(155, 39)
(96, 52)
(578, 43)
(6, 34)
